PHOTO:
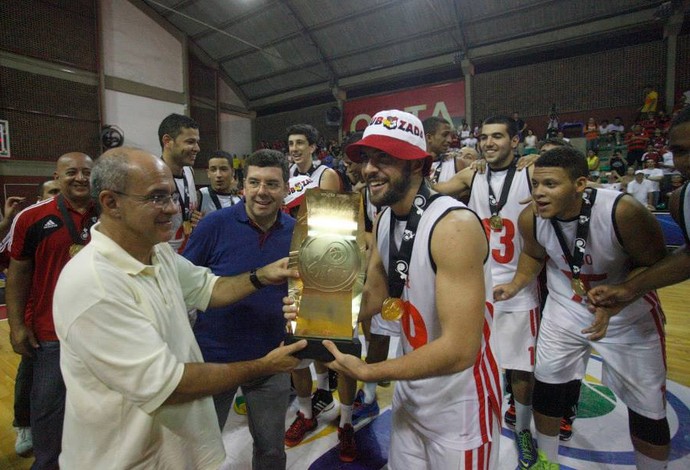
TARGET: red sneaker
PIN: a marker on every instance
(348, 447)
(299, 428)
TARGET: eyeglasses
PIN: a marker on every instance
(159, 201)
(270, 185)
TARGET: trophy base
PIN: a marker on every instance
(316, 350)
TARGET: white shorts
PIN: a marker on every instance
(635, 372)
(515, 338)
(379, 326)
(411, 450)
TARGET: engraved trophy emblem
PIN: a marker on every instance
(328, 250)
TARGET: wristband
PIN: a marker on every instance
(254, 279)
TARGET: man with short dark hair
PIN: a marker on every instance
(222, 191)
(586, 237)
(138, 391)
(179, 139)
(250, 328)
(305, 172)
(495, 196)
(45, 237)
(440, 289)
(438, 134)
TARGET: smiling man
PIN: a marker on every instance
(587, 237)
(250, 328)
(445, 404)
(179, 139)
(44, 238)
(138, 391)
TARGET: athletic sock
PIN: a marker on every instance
(549, 446)
(647, 463)
(523, 416)
(322, 381)
(369, 389)
(305, 406)
(345, 415)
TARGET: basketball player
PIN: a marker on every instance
(446, 401)
(586, 237)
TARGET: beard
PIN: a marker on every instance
(397, 190)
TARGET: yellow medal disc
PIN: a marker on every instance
(578, 287)
(392, 309)
(74, 248)
(496, 222)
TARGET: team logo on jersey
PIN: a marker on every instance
(408, 235)
(583, 219)
(50, 224)
(419, 203)
(401, 268)
(580, 244)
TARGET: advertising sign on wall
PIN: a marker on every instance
(446, 100)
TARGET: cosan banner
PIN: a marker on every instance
(446, 100)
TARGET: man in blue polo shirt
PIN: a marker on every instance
(231, 241)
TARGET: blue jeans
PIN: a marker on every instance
(22, 393)
(47, 406)
(267, 404)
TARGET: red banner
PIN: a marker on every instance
(446, 100)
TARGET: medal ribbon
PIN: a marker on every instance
(495, 207)
(214, 198)
(399, 259)
(577, 256)
(67, 218)
(437, 171)
(186, 210)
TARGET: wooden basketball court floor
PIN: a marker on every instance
(600, 440)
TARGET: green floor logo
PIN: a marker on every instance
(595, 401)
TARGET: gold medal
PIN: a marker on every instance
(578, 287)
(496, 222)
(187, 227)
(74, 248)
(392, 309)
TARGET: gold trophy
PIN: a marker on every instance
(329, 251)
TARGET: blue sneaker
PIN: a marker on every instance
(361, 410)
(527, 454)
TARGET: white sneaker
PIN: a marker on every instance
(24, 443)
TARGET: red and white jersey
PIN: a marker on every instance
(506, 244)
(179, 239)
(605, 262)
(299, 183)
(454, 410)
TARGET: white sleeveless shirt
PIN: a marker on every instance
(454, 409)
(300, 182)
(179, 239)
(506, 244)
(605, 262)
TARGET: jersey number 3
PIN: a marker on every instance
(506, 252)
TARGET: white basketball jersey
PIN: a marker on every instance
(299, 183)
(443, 170)
(179, 239)
(206, 205)
(456, 409)
(506, 244)
(605, 262)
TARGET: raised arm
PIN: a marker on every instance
(459, 185)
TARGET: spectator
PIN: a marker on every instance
(654, 175)
(641, 189)
(593, 163)
(591, 133)
(636, 140)
(530, 143)
(617, 164)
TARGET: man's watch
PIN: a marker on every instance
(254, 279)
